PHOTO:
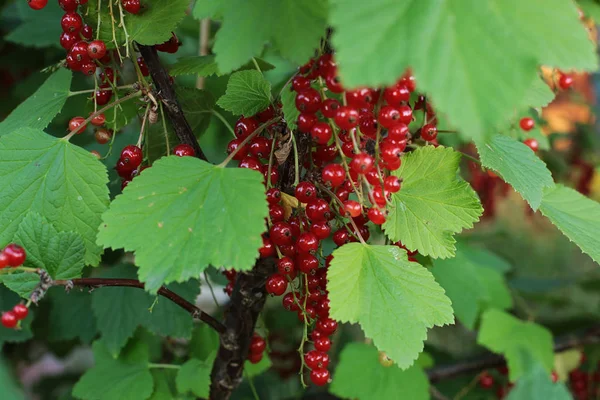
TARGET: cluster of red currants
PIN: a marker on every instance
(10, 319)
(257, 348)
(13, 255)
(101, 133)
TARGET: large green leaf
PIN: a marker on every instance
(62, 182)
(394, 300)
(518, 165)
(184, 214)
(577, 216)
(120, 310)
(433, 204)
(472, 282)
(248, 92)
(127, 377)
(22, 283)
(71, 315)
(42, 106)
(502, 333)
(194, 376)
(243, 34)
(477, 93)
(372, 380)
(38, 27)
(59, 253)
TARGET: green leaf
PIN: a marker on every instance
(8, 383)
(40, 108)
(393, 299)
(539, 94)
(577, 216)
(38, 28)
(252, 370)
(207, 66)
(248, 92)
(194, 376)
(206, 9)
(164, 385)
(451, 36)
(60, 181)
(288, 102)
(373, 381)
(22, 283)
(471, 283)
(71, 316)
(197, 105)
(243, 34)
(536, 384)
(196, 210)
(120, 310)
(59, 253)
(433, 204)
(8, 300)
(502, 333)
(518, 165)
(127, 377)
(204, 342)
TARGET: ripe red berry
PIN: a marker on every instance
(281, 233)
(306, 121)
(68, 40)
(88, 68)
(260, 147)
(20, 311)
(321, 133)
(37, 4)
(361, 98)
(102, 135)
(131, 6)
(405, 114)
(319, 376)
(398, 132)
(307, 243)
(87, 32)
(391, 184)
(305, 192)
(289, 303)
(79, 51)
(307, 263)
(376, 216)
(255, 358)
(330, 107)
(318, 210)
(341, 237)
(68, 5)
(125, 170)
(334, 174)
(257, 344)
(98, 120)
(362, 163)
(132, 155)
(276, 213)
(3, 260)
(308, 101)
(9, 319)
(102, 96)
(328, 326)
(267, 249)
(96, 49)
(15, 255)
(429, 132)
(241, 153)
(276, 285)
(314, 359)
(334, 84)
(245, 126)
(527, 124)
(250, 162)
(184, 150)
(391, 151)
(77, 123)
(353, 208)
(347, 117)
(388, 116)
(532, 144)
(71, 22)
(286, 266)
(565, 81)
(300, 83)
(273, 196)
(396, 95)
(143, 67)
(486, 381)
(323, 344)
(367, 124)
(320, 229)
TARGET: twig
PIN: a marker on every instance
(166, 93)
(203, 49)
(194, 311)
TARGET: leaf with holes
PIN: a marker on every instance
(184, 214)
(61, 182)
(433, 204)
(394, 300)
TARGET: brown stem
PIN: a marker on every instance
(166, 93)
(194, 311)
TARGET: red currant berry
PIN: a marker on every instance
(396, 95)
(241, 153)
(289, 303)
(330, 107)
(71, 22)
(260, 147)
(131, 6)
(170, 46)
(281, 233)
(102, 97)
(20, 311)
(323, 309)
(252, 163)
(276, 213)
(306, 122)
(276, 285)
(88, 33)
(321, 229)
(527, 124)
(255, 358)
(405, 114)
(273, 196)
(391, 151)
(307, 263)
(245, 126)
(319, 376)
(362, 163)
(321, 133)
(300, 83)
(143, 67)
(323, 344)
(315, 359)
(308, 101)
(391, 184)
(96, 49)
(324, 154)
(77, 124)
(37, 4)
(274, 178)
(429, 132)
(376, 216)
(79, 51)
(124, 169)
(68, 40)
(307, 243)
(15, 255)
(68, 5)
(398, 133)
(132, 155)
(486, 381)
(409, 81)
(361, 98)
(353, 208)
(388, 116)
(334, 84)
(328, 326)
(347, 117)
(184, 150)
(88, 68)
(368, 124)
(285, 266)
(257, 344)
(341, 237)
(305, 192)
(532, 144)
(102, 135)
(565, 81)
(267, 249)
(9, 319)
(318, 210)
(334, 174)
(98, 120)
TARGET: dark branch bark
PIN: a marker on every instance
(166, 93)
(194, 311)
(490, 360)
